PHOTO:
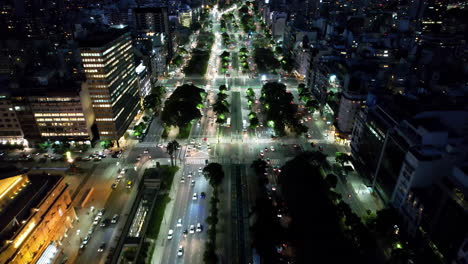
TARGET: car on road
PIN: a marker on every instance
(192, 229)
(190, 174)
(101, 247)
(272, 148)
(179, 222)
(199, 227)
(261, 153)
(129, 184)
(182, 179)
(91, 230)
(170, 234)
(114, 185)
(101, 211)
(96, 221)
(138, 158)
(202, 195)
(105, 222)
(86, 239)
(200, 170)
(192, 183)
(308, 135)
(146, 151)
(115, 218)
(180, 251)
(194, 197)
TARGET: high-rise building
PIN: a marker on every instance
(153, 22)
(109, 67)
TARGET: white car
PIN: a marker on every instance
(179, 222)
(272, 148)
(199, 227)
(96, 221)
(190, 174)
(180, 251)
(192, 183)
(182, 179)
(101, 247)
(194, 197)
(200, 170)
(192, 229)
(115, 218)
(86, 239)
(169, 235)
(101, 212)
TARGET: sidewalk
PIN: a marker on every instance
(164, 228)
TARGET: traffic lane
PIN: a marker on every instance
(116, 197)
(180, 204)
(197, 213)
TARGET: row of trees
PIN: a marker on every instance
(266, 232)
(225, 60)
(254, 121)
(336, 226)
(221, 106)
(243, 56)
(265, 60)
(198, 63)
(280, 110)
(247, 20)
(214, 174)
(153, 101)
(306, 96)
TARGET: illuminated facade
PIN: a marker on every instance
(10, 128)
(67, 115)
(36, 212)
(144, 81)
(185, 17)
(111, 80)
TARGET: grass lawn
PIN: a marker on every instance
(162, 200)
(184, 133)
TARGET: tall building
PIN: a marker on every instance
(109, 67)
(10, 127)
(185, 16)
(63, 115)
(153, 22)
(35, 213)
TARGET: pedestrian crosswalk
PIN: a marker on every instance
(199, 161)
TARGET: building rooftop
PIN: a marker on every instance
(101, 37)
(19, 208)
(430, 123)
(150, 9)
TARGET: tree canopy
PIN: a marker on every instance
(183, 106)
(214, 174)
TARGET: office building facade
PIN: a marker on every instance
(109, 67)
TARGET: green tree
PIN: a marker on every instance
(183, 106)
(214, 174)
(172, 148)
(332, 180)
(342, 158)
